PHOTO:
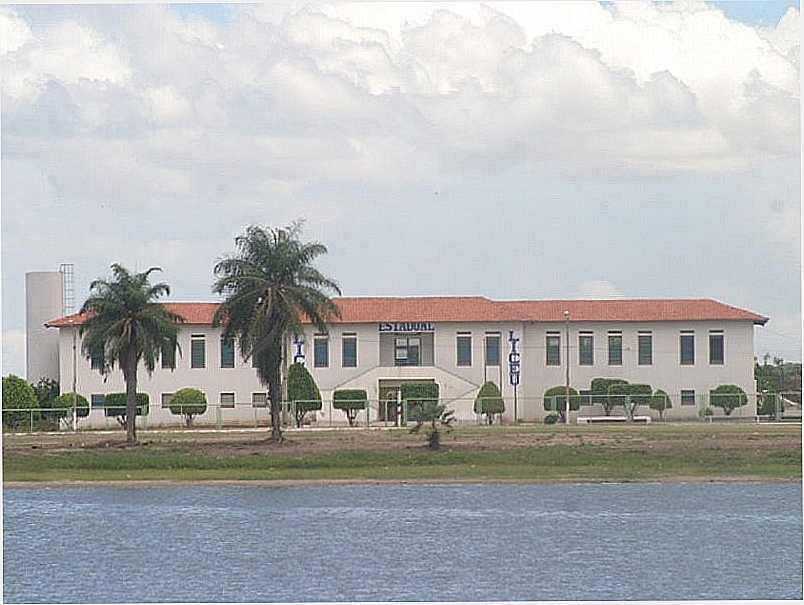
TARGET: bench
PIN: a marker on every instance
(611, 419)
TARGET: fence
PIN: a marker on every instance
(374, 413)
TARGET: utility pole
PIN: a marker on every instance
(567, 402)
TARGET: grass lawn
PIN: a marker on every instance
(694, 451)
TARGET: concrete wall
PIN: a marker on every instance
(458, 384)
(43, 302)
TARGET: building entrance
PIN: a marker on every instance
(392, 408)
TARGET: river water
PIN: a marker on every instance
(405, 542)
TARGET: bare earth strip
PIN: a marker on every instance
(536, 453)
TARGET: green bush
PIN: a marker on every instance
(630, 396)
(62, 406)
(555, 400)
(115, 406)
(188, 402)
(19, 395)
(489, 401)
(434, 415)
(303, 391)
(600, 392)
(728, 397)
(660, 401)
(551, 419)
(46, 390)
(350, 401)
(416, 393)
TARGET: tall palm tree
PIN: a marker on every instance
(128, 326)
(270, 285)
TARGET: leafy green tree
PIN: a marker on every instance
(20, 404)
(434, 416)
(728, 397)
(125, 323)
(270, 285)
(415, 394)
(600, 393)
(61, 408)
(489, 401)
(555, 400)
(630, 396)
(116, 406)
(660, 401)
(303, 391)
(46, 390)
(188, 402)
(350, 401)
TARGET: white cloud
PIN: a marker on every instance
(599, 289)
(13, 352)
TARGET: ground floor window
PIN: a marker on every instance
(687, 397)
(259, 400)
(166, 397)
(227, 400)
(98, 401)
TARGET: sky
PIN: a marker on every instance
(511, 149)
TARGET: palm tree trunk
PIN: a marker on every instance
(275, 393)
(131, 399)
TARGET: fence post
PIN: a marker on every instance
(32, 420)
(218, 417)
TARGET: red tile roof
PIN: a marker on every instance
(478, 308)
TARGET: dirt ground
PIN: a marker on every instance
(656, 438)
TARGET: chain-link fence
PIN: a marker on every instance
(388, 413)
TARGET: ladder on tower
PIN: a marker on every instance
(68, 288)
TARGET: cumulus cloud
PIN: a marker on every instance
(599, 289)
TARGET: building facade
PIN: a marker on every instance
(684, 347)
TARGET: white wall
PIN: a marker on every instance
(459, 384)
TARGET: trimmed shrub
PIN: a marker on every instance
(555, 400)
(18, 395)
(416, 393)
(551, 419)
(489, 401)
(303, 391)
(660, 401)
(115, 406)
(728, 397)
(63, 406)
(600, 392)
(630, 396)
(350, 401)
(188, 402)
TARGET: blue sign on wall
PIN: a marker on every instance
(514, 359)
(298, 343)
(407, 326)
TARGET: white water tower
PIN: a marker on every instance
(45, 299)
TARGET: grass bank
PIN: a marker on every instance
(530, 454)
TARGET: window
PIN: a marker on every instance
(586, 349)
(96, 360)
(645, 341)
(687, 397)
(464, 349)
(615, 348)
(166, 397)
(407, 351)
(98, 401)
(492, 349)
(553, 344)
(716, 348)
(321, 352)
(227, 352)
(227, 400)
(687, 348)
(198, 351)
(349, 351)
(259, 400)
(168, 357)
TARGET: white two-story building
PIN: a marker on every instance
(684, 347)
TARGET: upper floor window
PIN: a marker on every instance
(615, 348)
(645, 345)
(492, 349)
(227, 352)
(168, 357)
(198, 351)
(586, 349)
(464, 349)
(407, 350)
(716, 348)
(349, 351)
(321, 352)
(687, 348)
(553, 345)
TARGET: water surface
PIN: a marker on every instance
(406, 542)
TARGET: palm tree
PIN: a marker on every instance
(270, 285)
(127, 325)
